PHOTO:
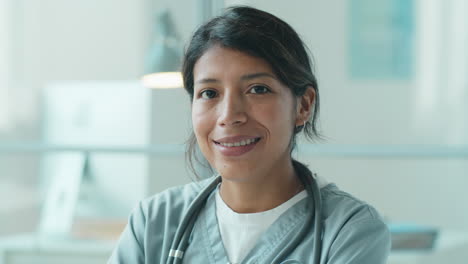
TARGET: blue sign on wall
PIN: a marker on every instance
(381, 39)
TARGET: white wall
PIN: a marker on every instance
(75, 40)
(4, 64)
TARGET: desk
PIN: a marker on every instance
(30, 248)
(451, 247)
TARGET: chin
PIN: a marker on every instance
(237, 173)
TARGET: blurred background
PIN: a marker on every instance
(85, 132)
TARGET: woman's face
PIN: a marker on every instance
(243, 116)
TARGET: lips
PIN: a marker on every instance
(237, 145)
(234, 139)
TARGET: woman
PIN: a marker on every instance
(252, 91)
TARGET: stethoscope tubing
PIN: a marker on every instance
(181, 237)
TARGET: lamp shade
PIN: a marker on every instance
(164, 57)
(163, 80)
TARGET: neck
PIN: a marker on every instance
(261, 192)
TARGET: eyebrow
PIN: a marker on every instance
(257, 75)
(246, 77)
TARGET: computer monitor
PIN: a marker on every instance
(92, 114)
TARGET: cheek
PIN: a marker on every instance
(282, 121)
(202, 127)
(201, 124)
(280, 116)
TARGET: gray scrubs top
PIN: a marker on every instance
(354, 233)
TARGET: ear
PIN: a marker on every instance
(304, 106)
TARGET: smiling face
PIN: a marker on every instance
(243, 116)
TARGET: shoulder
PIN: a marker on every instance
(339, 204)
(153, 223)
(174, 201)
(352, 228)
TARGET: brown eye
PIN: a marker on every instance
(208, 94)
(259, 89)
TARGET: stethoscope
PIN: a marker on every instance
(181, 238)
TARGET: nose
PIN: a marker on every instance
(232, 110)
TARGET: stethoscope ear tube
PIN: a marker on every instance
(181, 237)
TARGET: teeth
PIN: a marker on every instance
(237, 144)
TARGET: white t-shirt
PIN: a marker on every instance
(240, 232)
